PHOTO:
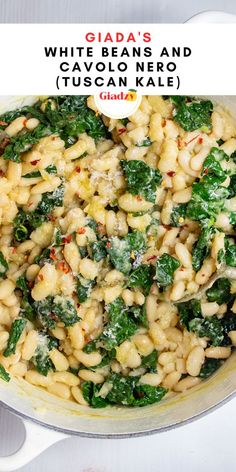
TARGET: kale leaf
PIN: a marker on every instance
(16, 331)
(3, 265)
(209, 367)
(166, 265)
(84, 288)
(119, 252)
(41, 359)
(124, 391)
(65, 311)
(27, 303)
(220, 292)
(179, 211)
(192, 115)
(141, 277)
(120, 325)
(23, 142)
(210, 327)
(98, 249)
(150, 362)
(4, 374)
(51, 169)
(188, 311)
(141, 179)
(25, 222)
(50, 200)
(201, 246)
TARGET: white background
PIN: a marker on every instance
(108, 11)
(207, 445)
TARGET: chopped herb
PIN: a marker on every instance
(141, 277)
(150, 362)
(145, 143)
(220, 292)
(120, 325)
(179, 211)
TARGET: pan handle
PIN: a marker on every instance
(37, 439)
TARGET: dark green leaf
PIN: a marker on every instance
(50, 200)
(98, 249)
(3, 265)
(220, 292)
(179, 211)
(210, 327)
(166, 266)
(145, 143)
(141, 179)
(201, 247)
(4, 374)
(16, 331)
(141, 277)
(188, 311)
(119, 252)
(120, 325)
(150, 362)
(84, 288)
(194, 115)
(65, 310)
(209, 367)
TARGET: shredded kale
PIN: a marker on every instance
(84, 288)
(150, 362)
(120, 325)
(141, 277)
(50, 200)
(16, 331)
(124, 391)
(51, 169)
(3, 265)
(188, 311)
(25, 222)
(119, 253)
(145, 143)
(98, 249)
(4, 374)
(209, 367)
(194, 114)
(202, 246)
(210, 327)
(179, 211)
(27, 303)
(23, 142)
(141, 179)
(41, 360)
(220, 292)
(166, 265)
(51, 310)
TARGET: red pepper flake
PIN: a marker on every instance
(163, 124)
(200, 140)
(78, 305)
(13, 250)
(78, 170)
(206, 171)
(2, 173)
(121, 131)
(67, 239)
(34, 163)
(81, 231)
(3, 123)
(52, 254)
(108, 245)
(51, 218)
(191, 140)
(63, 267)
(151, 258)
(139, 198)
(180, 143)
(171, 173)
(25, 122)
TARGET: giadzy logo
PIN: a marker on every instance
(131, 96)
(118, 105)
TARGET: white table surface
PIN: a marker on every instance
(207, 445)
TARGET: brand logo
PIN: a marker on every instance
(126, 103)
